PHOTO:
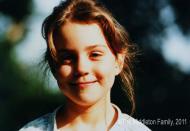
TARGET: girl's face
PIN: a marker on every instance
(88, 66)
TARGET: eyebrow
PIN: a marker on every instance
(87, 48)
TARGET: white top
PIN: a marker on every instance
(48, 123)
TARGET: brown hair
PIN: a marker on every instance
(87, 11)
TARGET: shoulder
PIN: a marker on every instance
(127, 123)
(43, 123)
(132, 124)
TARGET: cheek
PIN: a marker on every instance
(106, 74)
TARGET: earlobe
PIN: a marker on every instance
(119, 63)
(117, 70)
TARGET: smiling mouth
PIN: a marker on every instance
(83, 85)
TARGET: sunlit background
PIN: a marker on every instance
(31, 50)
(162, 70)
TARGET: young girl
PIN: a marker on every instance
(87, 50)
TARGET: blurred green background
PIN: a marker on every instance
(161, 30)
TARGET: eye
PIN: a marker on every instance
(96, 54)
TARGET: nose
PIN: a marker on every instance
(82, 66)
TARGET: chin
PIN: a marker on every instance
(87, 100)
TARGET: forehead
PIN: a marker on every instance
(80, 34)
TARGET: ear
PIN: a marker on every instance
(119, 63)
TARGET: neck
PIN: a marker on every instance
(100, 113)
